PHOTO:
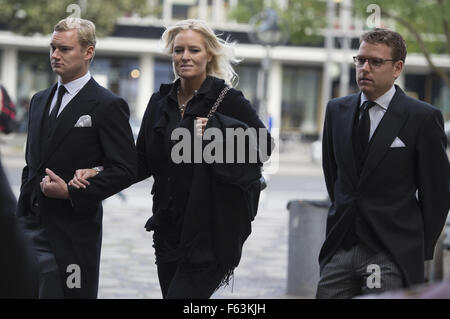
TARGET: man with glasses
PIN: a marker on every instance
(387, 175)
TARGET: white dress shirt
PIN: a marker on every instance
(376, 113)
(72, 88)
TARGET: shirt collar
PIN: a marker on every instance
(382, 101)
(74, 86)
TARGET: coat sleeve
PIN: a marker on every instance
(24, 178)
(120, 158)
(328, 160)
(144, 169)
(433, 174)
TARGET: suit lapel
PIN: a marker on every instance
(80, 105)
(347, 113)
(385, 133)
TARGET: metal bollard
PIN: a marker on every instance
(307, 226)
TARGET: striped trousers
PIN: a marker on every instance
(358, 271)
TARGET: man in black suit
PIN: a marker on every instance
(387, 175)
(75, 123)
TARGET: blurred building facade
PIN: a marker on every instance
(130, 62)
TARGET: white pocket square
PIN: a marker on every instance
(397, 143)
(84, 121)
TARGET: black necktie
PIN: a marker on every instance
(364, 124)
(61, 91)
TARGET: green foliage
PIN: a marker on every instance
(39, 16)
(411, 17)
(244, 11)
(307, 17)
(425, 24)
(304, 17)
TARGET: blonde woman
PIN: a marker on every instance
(199, 225)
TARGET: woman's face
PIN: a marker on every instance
(189, 55)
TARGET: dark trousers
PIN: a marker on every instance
(358, 271)
(189, 280)
(50, 283)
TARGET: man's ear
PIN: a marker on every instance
(89, 54)
(398, 68)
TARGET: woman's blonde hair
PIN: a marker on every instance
(222, 51)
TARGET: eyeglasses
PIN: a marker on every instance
(373, 62)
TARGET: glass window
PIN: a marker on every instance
(441, 97)
(34, 74)
(248, 82)
(300, 99)
(163, 73)
(415, 85)
(118, 74)
(431, 89)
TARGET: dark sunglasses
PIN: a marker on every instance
(373, 62)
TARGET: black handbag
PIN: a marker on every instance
(241, 173)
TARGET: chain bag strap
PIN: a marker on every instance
(218, 101)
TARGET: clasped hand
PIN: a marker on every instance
(81, 176)
(54, 186)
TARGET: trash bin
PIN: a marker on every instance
(307, 226)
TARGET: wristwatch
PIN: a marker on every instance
(98, 169)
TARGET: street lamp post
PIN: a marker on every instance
(268, 30)
(326, 77)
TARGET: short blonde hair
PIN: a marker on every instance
(222, 51)
(85, 28)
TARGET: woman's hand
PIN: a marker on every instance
(200, 124)
(80, 179)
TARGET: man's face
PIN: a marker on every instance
(374, 81)
(67, 58)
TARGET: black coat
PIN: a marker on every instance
(17, 261)
(74, 227)
(383, 199)
(188, 189)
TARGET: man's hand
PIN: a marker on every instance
(54, 186)
(80, 179)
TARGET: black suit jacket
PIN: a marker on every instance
(383, 198)
(74, 227)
